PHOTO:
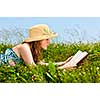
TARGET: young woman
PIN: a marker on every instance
(30, 50)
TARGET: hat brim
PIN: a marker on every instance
(41, 38)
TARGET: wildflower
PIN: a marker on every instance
(98, 68)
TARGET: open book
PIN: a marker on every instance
(77, 58)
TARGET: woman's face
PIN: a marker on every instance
(45, 43)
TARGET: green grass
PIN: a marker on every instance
(87, 71)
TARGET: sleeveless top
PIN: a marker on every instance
(9, 55)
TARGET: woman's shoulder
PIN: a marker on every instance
(24, 47)
(18, 49)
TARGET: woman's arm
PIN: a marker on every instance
(56, 63)
(66, 66)
(43, 63)
(64, 62)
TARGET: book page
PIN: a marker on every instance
(77, 58)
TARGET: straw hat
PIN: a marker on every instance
(39, 32)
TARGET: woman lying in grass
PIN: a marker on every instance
(29, 51)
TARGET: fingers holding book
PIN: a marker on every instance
(67, 66)
(68, 59)
(72, 61)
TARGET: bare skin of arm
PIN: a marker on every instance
(56, 63)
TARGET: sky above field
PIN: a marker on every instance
(69, 29)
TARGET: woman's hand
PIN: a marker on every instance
(68, 59)
(67, 66)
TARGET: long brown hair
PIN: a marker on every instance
(36, 50)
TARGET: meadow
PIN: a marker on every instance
(87, 71)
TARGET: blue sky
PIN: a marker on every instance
(69, 29)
